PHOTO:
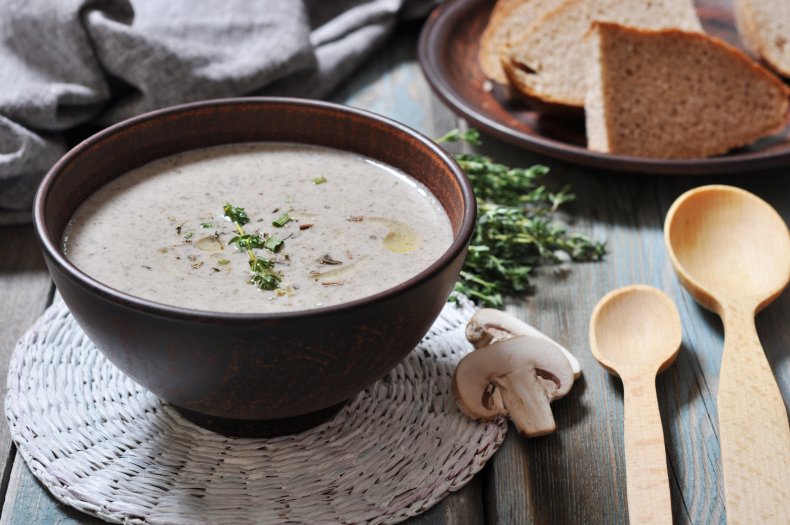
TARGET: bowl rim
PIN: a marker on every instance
(52, 250)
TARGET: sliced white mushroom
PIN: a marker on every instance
(527, 372)
(489, 326)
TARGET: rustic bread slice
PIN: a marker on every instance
(509, 17)
(549, 62)
(764, 27)
(675, 94)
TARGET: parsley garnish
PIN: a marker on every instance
(263, 275)
(206, 225)
(282, 220)
(516, 231)
(319, 180)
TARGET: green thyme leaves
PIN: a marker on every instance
(266, 281)
(247, 241)
(319, 180)
(470, 136)
(258, 265)
(263, 274)
(516, 229)
(235, 214)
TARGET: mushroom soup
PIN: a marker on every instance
(258, 227)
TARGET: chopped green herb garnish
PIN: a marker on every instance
(163, 250)
(206, 225)
(262, 270)
(197, 265)
(319, 180)
(516, 231)
(223, 262)
(260, 265)
(189, 236)
(266, 281)
(235, 214)
(247, 241)
(273, 243)
(282, 220)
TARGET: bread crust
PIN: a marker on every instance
(758, 70)
(506, 17)
(485, 55)
(567, 19)
(752, 36)
(541, 103)
(732, 50)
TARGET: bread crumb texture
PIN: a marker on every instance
(508, 19)
(549, 61)
(675, 94)
(764, 28)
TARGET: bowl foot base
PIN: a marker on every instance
(260, 427)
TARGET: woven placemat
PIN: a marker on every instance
(106, 446)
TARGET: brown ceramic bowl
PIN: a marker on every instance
(261, 374)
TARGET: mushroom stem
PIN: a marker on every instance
(526, 400)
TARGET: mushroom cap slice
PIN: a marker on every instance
(528, 371)
(488, 326)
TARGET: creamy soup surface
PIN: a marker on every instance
(347, 227)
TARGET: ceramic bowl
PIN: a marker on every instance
(253, 374)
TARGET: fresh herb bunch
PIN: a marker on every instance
(516, 231)
(263, 275)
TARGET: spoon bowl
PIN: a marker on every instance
(635, 333)
(731, 251)
(726, 243)
(635, 326)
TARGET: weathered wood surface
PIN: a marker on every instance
(576, 475)
(24, 292)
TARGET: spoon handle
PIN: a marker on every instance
(647, 483)
(755, 434)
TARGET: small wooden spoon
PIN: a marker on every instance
(635, 334)
(731, 251)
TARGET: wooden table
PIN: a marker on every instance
(577, 474)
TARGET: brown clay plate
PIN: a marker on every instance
(448, 55)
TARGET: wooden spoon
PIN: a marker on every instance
(635, 334)
(731, 251)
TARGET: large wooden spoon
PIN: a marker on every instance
(635, 334)
(731, 251)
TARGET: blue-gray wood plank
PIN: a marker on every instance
(576, 475)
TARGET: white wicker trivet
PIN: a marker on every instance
(102, 444)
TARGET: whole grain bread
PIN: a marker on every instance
(549, 61)
(676, 94)
(764, 28)
(509, 18)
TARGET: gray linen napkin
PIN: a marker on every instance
(67, 62)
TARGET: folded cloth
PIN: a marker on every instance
(65, 63)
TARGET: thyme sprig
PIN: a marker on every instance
(263, 274)
(516, 229)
